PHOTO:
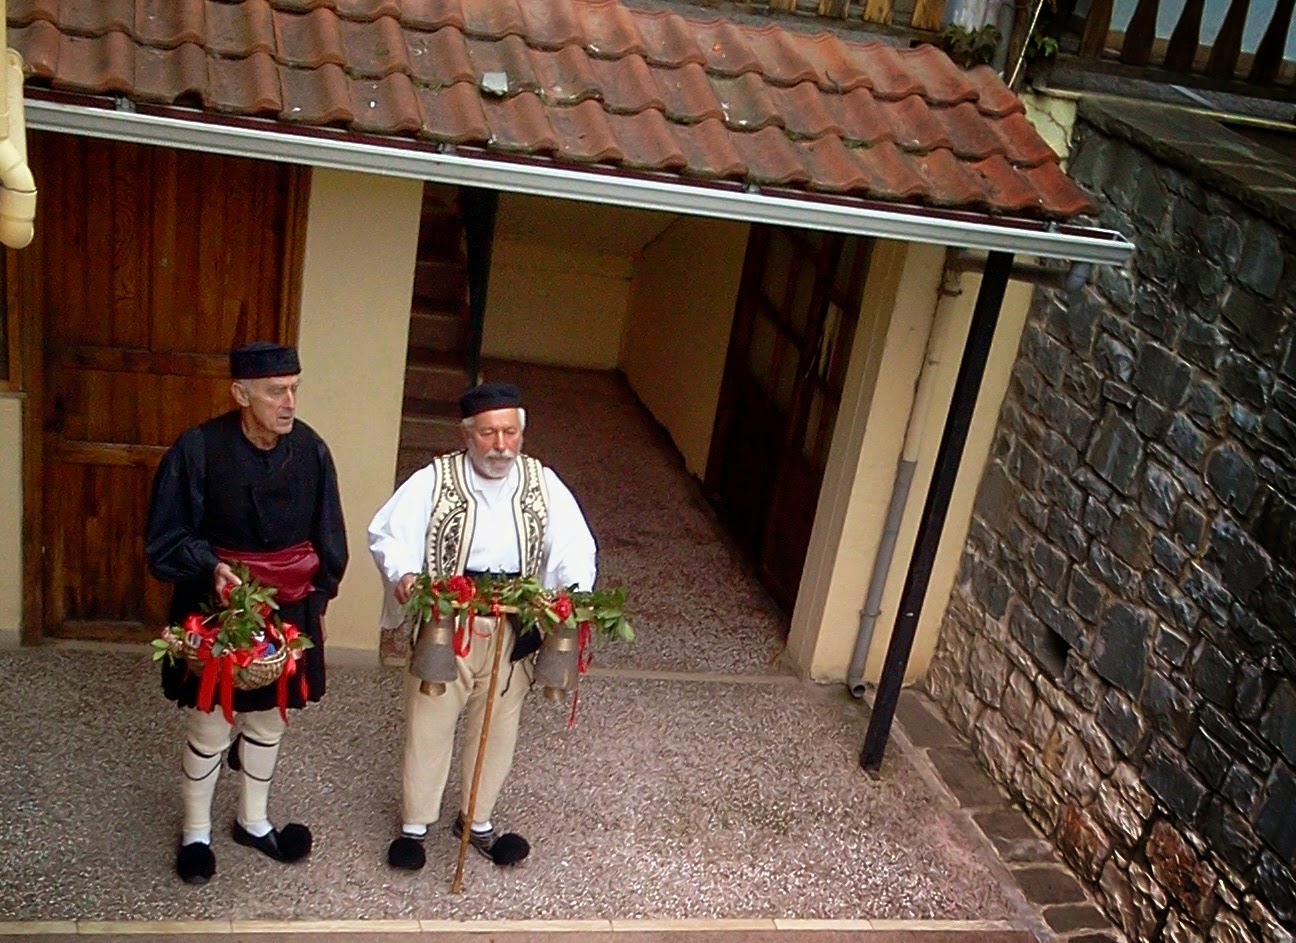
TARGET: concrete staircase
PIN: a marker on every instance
(435, 365)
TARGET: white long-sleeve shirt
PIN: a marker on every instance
(398, 532)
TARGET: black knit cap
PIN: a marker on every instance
(263, 359)
(487, 396)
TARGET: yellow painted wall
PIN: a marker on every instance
(895, 319)
(681, 312)
(361, 238)
(10, 519)
(560, 279)
(867, 443)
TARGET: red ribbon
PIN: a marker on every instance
(290, 632)
(583, 659)
(463, 635)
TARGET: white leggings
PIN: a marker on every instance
(208, 736)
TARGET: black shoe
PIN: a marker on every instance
(406, 853)
(195, 863)
(288, 844)
(506, 849)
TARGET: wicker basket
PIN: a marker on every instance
(256, 675)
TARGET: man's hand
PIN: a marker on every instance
(405, 587)
(225, 580)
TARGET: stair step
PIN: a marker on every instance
(440, 281)
(434, 381)
(437, 435)
(421, 407)
(441, 329)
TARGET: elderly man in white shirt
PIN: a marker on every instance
(486, 509)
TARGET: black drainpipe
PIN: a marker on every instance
(985, 316)
(479, 208)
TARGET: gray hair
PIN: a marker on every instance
(468, 423)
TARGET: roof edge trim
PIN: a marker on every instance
(202, 131)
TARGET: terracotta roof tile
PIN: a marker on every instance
(1020, 143)
(509, 55)
(386, 106)
(770, 158)
(747, 103)
(99, 64)
(245, 86)
(890, 175)
(993, 97)
(239, 31)
(492, 19)
(566, 76)
(309, 39)
(316, 96)
(39, 43)
(610, 31)
(584, 134)
(647, 141)
(170, 75)
(913, 126)
(519, 123)
(552, 25)
(431, 14)
(369, 10)
(889, 75)
(375, 49)
(453, 114)
(688, 93)
(95, 19)
(1007, 189)
(1058, 191)
(950, 180)
(860, 117)
(725, 49)
(835, 64)
(26, 12)
(668, 39)
(804, 111)
(588, 81)
(708, 150)
(439, 58)
(627, 85)
(831, 166)
(170, 23)
(940, 81)
(971, 136)
(782, 61)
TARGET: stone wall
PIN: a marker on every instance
(1120, 647)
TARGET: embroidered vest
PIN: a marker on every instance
(454, 516)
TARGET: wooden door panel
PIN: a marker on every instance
(153, 264)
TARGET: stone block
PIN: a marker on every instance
(966, 780)
(1059, 621)
(987, 674)
(1049, 565)
(1118, 719)
(997, 495)
(1242, 789)
(1067, 918)
(1044, 884)
(1083, 383)
(991, 589)
(1120, 815)
(1278, 725)
(1161, 375)
(1151, 418)
(1211, 598)
(1083, 844)
(1187, 878)
(1084, 596)
(1121, 652)
(1221, 239)
(1208, 758)
(1276, 823)
(1131, 539)
(1232, 477)
(1168, 709)
(1068, 535)
(1116, 452)
(1213, 676)
(1275, 527)
(1241, 562)
(1230, 928)
(1189, 527)
(1172, 646)
(1203, 344)
(1230, 836)
(1168, 555)
(1246, 424)
(1258, 321)
(1161, 493)
(1018, 699)
(1242, 378)
(1178, 930)
(1276, 885)
(1186, 440)
(923, 723)
(1168, 777)
(1260, 267)
(1112, 571)
(1239, 743)
(1253, 691)
(1206, 406)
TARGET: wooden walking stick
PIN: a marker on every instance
(457, 886)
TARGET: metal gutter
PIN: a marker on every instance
(320, 147)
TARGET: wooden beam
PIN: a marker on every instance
(1186, 37)
(838, 8)
(1228, 44)
(928, 14)
(877, 11)
(1136, 49)
(1269, 54)
(1095, 32)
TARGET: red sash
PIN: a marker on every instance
(289, 570)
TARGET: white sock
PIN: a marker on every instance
(410, 830)
(257, 829)
(202, 836)
(483, 827)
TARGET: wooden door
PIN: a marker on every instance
(152, 263)
(794, 325)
